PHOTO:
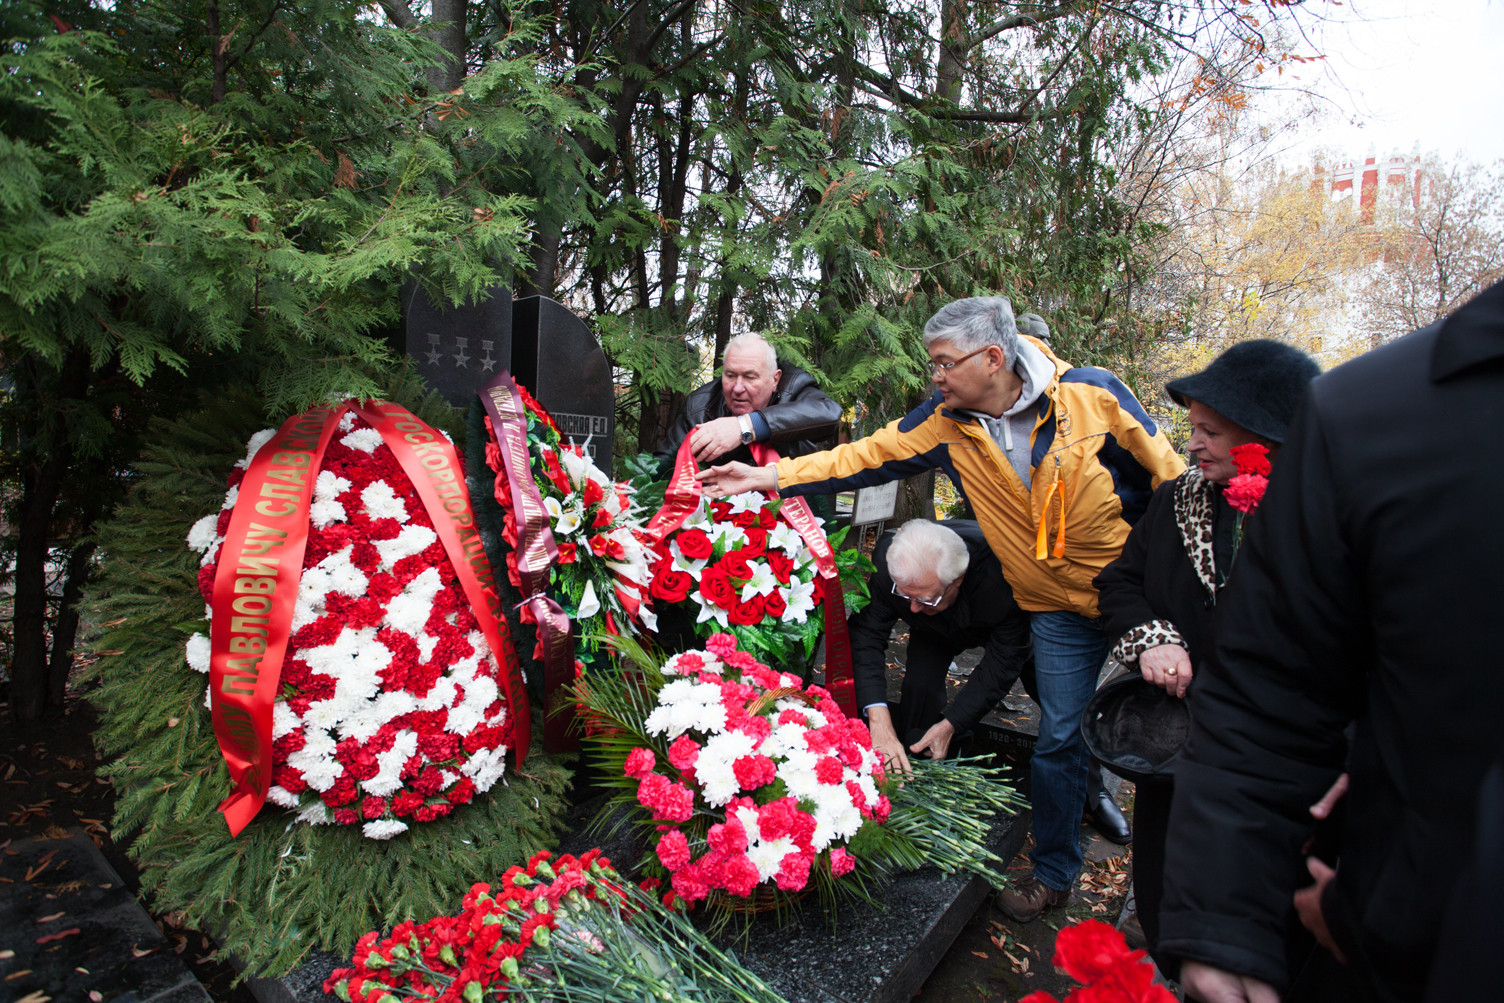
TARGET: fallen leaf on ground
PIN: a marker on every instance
(34, 997)
(140, 953)
(49, 919)
(17, 975)
(7, 954)
(58, 936)
(979, 954)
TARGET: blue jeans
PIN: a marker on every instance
(1069, 650)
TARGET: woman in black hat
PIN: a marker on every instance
(1158, 598)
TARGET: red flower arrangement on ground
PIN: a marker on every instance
(1094, 953)
(390, 710)
(571, 922)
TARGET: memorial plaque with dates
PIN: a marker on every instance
(457, 349)
(557, 357)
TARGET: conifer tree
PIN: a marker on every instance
(190, 192)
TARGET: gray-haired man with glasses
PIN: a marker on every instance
(944, 582)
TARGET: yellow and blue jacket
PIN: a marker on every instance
(1096, 457)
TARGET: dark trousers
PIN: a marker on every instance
(922, 698)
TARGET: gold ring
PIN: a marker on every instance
(1172, 671)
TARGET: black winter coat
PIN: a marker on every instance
(1368, 591)
(801, 419)
(1163, 586)
(984, 615)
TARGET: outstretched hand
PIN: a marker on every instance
(735, 477)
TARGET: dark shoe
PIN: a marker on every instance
(1133, 931)
(1104, 815)
(1028, 898)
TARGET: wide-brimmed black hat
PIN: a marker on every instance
(1257, 384)
(1135, 729)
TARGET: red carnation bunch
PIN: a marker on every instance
(1094, 953)
(1246, 489)
(482, 951)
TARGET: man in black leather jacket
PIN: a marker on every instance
(755, 400)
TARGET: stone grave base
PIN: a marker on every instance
(71, 930)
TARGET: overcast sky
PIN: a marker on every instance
(1413, 76)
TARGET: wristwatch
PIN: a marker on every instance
(746, 423)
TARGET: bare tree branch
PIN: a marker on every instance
(399, 13)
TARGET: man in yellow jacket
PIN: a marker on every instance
(1057, 463)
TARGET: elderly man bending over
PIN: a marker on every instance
(942, 580)
(755, 400)
(1057, 462)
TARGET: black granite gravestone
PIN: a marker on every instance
(556, 357)
(457, 349)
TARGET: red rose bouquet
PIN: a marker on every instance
(1094, 953)
(571, 923)
(751, 783)
(389, 711)
(738, 566)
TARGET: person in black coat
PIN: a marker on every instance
(1159, 596)
(1367, 594)
(755, 400)
(944, 582)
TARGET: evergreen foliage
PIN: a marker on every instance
(229, 190)
(277, 891)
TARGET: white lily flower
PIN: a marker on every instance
(800, 597)
(746, 501)
(589, 604)
(762, 581)
(786, 537)
(565, 520)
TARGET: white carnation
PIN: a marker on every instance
(409, 610)
(364, 439)
(197, 651)
(383, 828)
(412, 540)
(281, 797)
(486, 767)
(254, 444)
(201, 534)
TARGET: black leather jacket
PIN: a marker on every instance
(801, 419)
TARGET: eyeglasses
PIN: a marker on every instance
(925, 602)
(937, 368)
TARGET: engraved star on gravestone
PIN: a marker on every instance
(439, 339)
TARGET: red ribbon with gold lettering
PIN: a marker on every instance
(255, 590)
(680, 498)
(431, 463)
(536, 554)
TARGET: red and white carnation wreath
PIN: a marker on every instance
(389, 708)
